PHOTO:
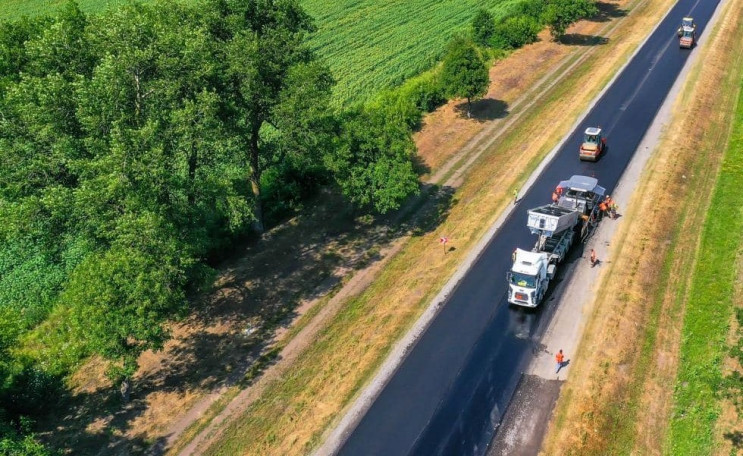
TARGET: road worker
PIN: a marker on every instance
(555, 197)
(594, 259)
(558, 190)
(560, 359)
(603, 208)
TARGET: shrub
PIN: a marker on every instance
(407, 104)
(483, 27)
(516, 31)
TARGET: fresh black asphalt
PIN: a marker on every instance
(448, 395)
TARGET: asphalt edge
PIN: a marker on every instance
(397, 355)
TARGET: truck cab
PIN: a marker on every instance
(529, 277)
(593, 144)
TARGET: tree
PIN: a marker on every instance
(515, 32)
(483, 27)
(464, 73)
(560, 14)
(121, 298)
(265, 40)
(372, 163)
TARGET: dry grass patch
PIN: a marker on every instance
(619, 398)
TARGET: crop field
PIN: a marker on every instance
(375, 44)
(369, 44)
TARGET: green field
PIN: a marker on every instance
(375, 44)
(700, 382)
(369, 44)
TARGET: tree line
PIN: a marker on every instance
(136, 143)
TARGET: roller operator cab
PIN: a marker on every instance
(593, 144)
(688, 38)
(686, 22)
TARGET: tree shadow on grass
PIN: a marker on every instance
(230, 336)
(735, 438)
(607, 12)
(579, 39)
(93, 423)
(484, 110)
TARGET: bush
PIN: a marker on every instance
(29, 391)
(516, 31)
(532, 8)
(284, 188)
(407, 104)
(483, 27)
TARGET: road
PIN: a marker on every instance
(449, 394)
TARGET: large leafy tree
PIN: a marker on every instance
(464, 73)
(372, 161)
(263, 41)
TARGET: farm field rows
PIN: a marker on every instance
(375, 44)
(369, 44)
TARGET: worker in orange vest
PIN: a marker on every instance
(603, 208)
(558, 190)
(560, 358)
(555, 197)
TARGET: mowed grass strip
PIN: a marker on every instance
(710, 308)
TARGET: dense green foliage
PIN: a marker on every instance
(483, 27)
(515, 31)
(464, 73)
(136, 144)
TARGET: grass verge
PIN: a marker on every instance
(709, 309)
(619, 397)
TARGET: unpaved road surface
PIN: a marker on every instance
(448, 395)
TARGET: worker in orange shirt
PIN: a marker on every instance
(555, 197)
(560, 358)
(603, 208)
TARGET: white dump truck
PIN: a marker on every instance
(572, 218)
